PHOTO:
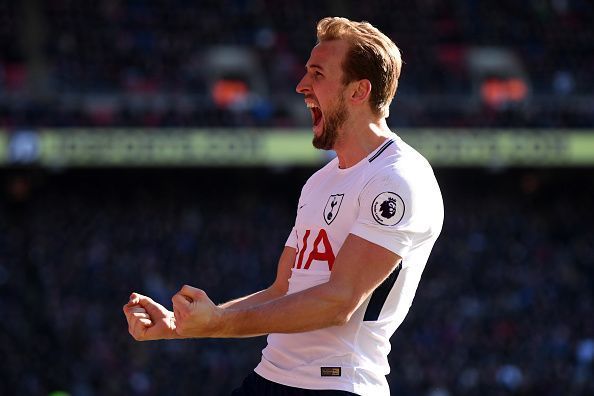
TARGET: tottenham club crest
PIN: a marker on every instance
(388, 208)
(332, 207)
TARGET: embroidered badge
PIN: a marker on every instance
(332, 207)
(388, 208)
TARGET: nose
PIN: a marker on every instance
(304, 85)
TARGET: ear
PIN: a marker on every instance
(361, 91)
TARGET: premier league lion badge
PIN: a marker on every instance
(332, 207)
(388, 208)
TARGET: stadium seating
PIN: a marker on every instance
(504, 307)
(145, 63)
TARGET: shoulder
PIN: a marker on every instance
(399, 165)
(401, 177)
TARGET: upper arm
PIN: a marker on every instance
(360, 267)
(378, 239)
(283, 271)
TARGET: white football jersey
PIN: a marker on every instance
(390, 198)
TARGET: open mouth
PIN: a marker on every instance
(316, 114)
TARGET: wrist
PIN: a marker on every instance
(172, 333)
(216, 325)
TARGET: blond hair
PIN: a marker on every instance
(372, 56)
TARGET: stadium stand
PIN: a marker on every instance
(506, 302)
(504, 308)
(142, 63)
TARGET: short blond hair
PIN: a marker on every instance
(372, 56)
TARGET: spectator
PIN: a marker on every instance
(504, 308)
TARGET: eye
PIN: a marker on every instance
(317, 74)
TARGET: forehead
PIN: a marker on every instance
(328, 55)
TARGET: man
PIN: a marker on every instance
(365, 226)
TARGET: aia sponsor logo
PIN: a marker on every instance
(319, 250)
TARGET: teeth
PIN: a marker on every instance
(311, 105)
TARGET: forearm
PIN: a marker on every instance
(328, 304)
(261, 297)
(315, 308)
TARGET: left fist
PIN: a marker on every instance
(195, 314)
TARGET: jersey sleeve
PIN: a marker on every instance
(386, 213)
(292, 239)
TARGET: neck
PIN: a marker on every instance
(358, 139)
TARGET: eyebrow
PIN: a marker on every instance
(313, 66)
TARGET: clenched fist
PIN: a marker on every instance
(148, 320)
(195, 314)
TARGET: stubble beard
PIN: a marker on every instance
(335, 119)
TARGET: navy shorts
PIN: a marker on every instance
(254, 385)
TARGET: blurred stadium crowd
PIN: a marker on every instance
(505, 306)
(236, 62)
